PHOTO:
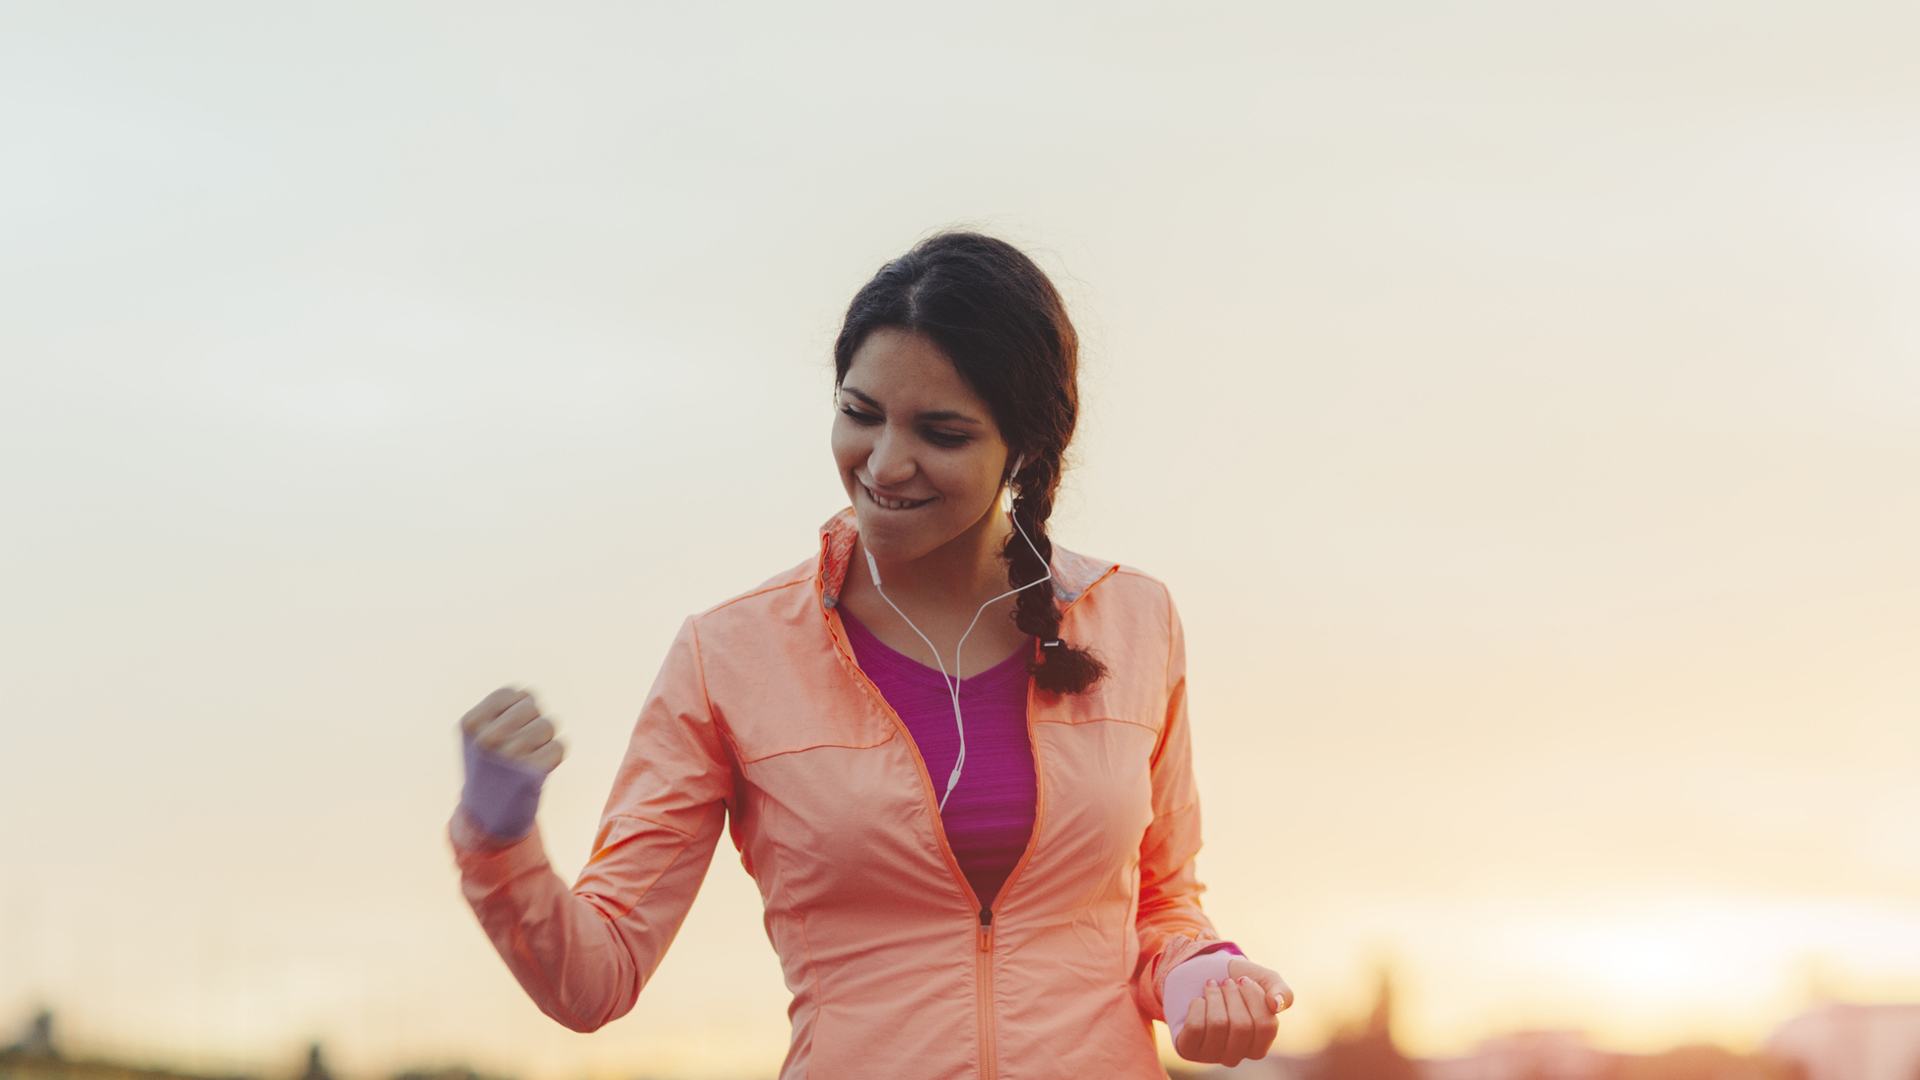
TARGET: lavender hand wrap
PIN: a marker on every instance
(500, 795)
(1189, 981)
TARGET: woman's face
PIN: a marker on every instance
(917, 449)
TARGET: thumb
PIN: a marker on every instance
(1279, 994)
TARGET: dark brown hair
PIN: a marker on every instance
(1000, 321)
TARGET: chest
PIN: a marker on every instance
(839, 797)
(970, 638)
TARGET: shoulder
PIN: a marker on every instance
(787, 602)
(1140, 584)
(1114, 583)
(779, 595)
(1126, 618)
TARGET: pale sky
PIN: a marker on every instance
(1521, 400)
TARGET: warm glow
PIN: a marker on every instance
(1521, 401)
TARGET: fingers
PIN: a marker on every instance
(489, 709)
(1266, 1022)
(1229, 1023)
(1213, 1041)
(1239, 1022)
(493, 735)
(547, 757)
(507, 723)
(533, 735)
(1279, 994)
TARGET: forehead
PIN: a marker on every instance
(907, 371)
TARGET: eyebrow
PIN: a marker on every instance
(939, 415)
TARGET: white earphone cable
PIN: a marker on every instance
(952, 678)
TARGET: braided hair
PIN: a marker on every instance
(995, 315)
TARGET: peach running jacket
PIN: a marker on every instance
(761, 723)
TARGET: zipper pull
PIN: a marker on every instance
(986, 929)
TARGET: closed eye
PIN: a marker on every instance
(859, 416)
(947, 439)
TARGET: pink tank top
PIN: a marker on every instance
(990, 814)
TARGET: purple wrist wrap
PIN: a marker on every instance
(500, 796)
(1189, 980)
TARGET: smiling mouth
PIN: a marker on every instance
(885, 503)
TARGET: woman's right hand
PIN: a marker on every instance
(507, 724)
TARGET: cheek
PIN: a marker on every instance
(847, 446)
(968, 484)
(850, 446)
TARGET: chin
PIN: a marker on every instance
(898, 541)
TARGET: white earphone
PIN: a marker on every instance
(953, 678)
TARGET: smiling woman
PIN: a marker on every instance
(1031, 912)
(917, 326)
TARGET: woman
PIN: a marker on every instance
(953, 756)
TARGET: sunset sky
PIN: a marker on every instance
(1522, 402)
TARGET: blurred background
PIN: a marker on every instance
(1521, 400)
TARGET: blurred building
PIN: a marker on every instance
(316, 1065)
(1367, 1052)
(37, 1040)
(1851, 1042)
(1528, 1055)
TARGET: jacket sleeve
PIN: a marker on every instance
(1168, 921)
(583, 954)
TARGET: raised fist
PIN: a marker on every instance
(507, 724)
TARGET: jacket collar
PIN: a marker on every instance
(1072, 573)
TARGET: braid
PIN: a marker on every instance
(1060, 668)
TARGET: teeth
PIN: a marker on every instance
(893, 504)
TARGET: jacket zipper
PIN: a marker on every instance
(983, 1006)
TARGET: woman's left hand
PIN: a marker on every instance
(1235, 1021)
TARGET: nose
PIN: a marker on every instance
(890, 462)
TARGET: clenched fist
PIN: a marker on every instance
(507, 724)
(1235, 1018)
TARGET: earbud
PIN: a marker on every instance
(1006, 492)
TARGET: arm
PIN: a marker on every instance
(1219, 1005)
(584, 953)
(1171, 927)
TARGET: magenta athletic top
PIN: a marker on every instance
(990, 814)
